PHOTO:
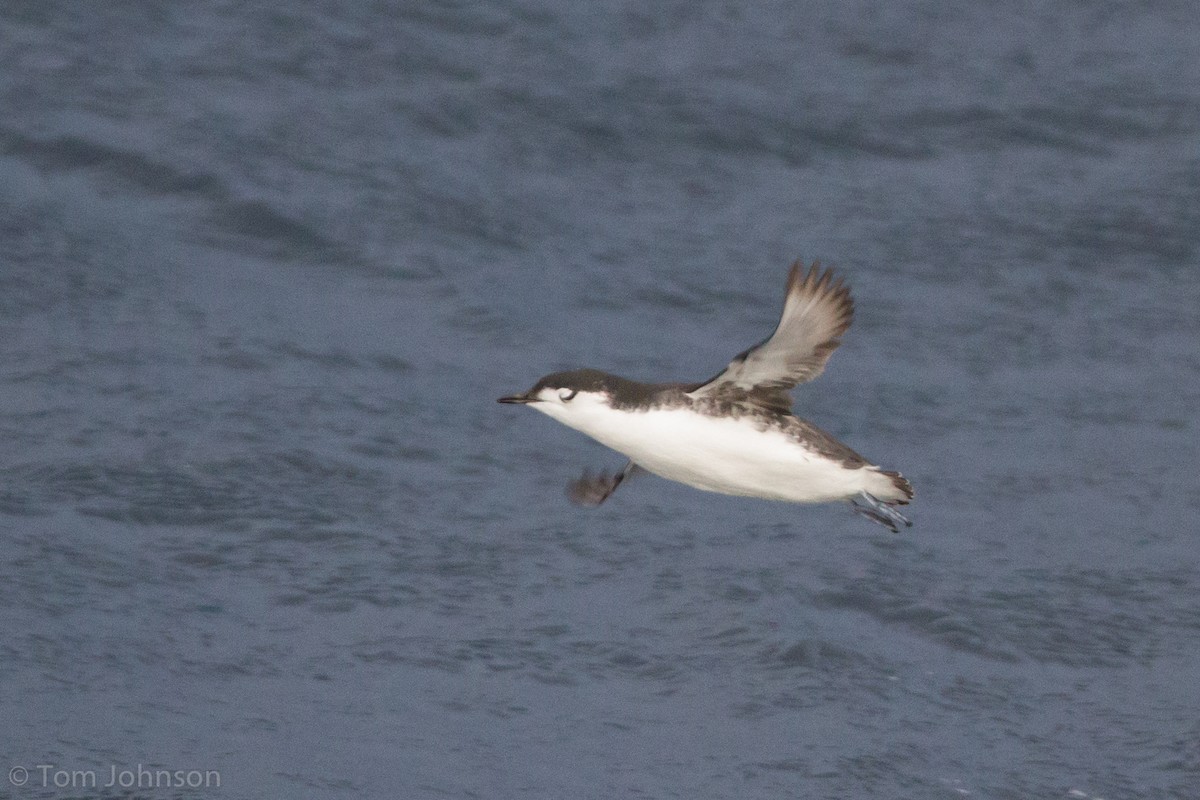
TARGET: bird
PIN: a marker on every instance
(734, 433)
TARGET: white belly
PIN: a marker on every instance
(724, 455)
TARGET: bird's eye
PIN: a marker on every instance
(566, 395)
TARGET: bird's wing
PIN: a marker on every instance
(592, 490)
(817, 310)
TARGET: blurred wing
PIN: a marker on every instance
(592, 490)
(816, 312)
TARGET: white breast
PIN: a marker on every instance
(720, 454)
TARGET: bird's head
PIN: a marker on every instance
(566, 395)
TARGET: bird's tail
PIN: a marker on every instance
(902, 485)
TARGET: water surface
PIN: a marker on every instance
(264, 272)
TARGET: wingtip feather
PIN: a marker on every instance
(821, 284)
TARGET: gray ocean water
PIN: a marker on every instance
(264, 271)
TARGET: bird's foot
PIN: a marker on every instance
(877, 510)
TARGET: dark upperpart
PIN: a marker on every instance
(624, 392)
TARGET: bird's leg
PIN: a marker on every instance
(592, 490)
(876, 510)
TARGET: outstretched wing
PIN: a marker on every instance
(817, 310)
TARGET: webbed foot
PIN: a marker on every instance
(879, 511)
